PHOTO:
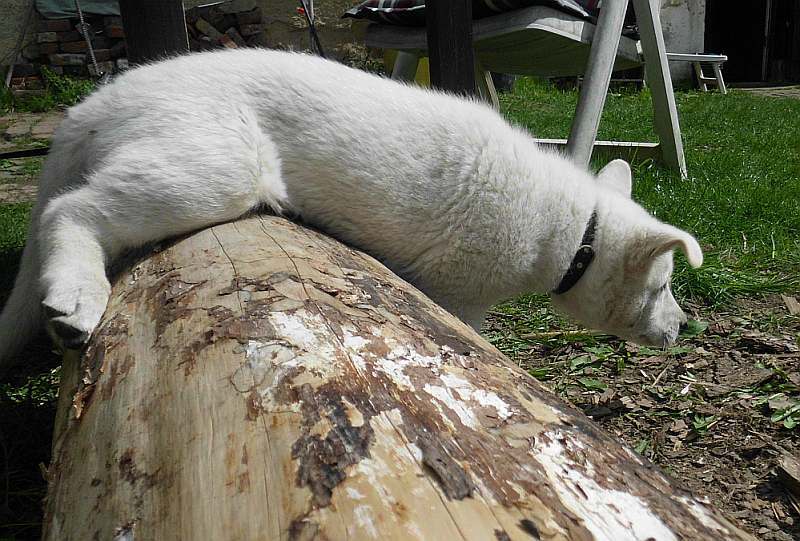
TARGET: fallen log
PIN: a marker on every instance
(258, 380)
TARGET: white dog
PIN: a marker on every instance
(441, 189)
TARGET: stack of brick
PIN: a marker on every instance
(60, 45)
(212, 27)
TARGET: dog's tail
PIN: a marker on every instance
(21, 317)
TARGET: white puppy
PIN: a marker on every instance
(441, 189)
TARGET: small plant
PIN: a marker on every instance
(60, 91)
(66, 90)
(701, 423)
(785, 409)
(790, 416)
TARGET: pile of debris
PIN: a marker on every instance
(215, 26)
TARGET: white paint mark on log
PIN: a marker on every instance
(606, 513)
(446, 397)
(354, 494)
(702, 514)
(467, 391)
(363, 515)
(414, 530)
(415, 450)
(296, 329)
(395, 370)
(301, 328)
(351, 340)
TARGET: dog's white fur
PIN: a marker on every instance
(442, 189)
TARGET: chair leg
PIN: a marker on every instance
(600, 65)
(486, 89)
(665, 112)
(405, 66)
(720, 80)
(701, 78)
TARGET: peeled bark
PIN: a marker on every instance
(258, 380)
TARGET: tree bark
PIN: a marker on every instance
(258, 380)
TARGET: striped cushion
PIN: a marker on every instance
(412, 12)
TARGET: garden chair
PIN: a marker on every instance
(543, 41)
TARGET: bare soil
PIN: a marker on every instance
(707, 411)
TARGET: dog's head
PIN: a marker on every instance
(626, 289)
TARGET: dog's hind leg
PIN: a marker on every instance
(20, 319)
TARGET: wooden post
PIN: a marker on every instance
(597, 76)
(258, 380)
(154, 29)
(665, 111)
(452, 64)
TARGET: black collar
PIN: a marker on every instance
(583, 258)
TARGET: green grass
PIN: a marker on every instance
(60, 91)
(742, 197)
(13, 227)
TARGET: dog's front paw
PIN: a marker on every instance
(66, 334)
(70, 327)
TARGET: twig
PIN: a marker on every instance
(661, 375)
(553, 334)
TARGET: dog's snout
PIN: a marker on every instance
(683, 325)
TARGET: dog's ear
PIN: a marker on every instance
(668, 238)
(660, 239)
(616, 175)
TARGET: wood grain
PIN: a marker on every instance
(258, 380)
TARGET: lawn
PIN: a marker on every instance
(716, 410)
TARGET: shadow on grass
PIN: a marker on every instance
(28, 398)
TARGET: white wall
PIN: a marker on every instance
(683, 23)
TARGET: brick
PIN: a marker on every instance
(122, 64)
(66, 37)
(35, 82)
(25, 70)
(75, 47)
(33, 51)
(251, 29)
(236, 6)
(76, 71)
(249, 17)
(55, 25)
(258, 40)
(114, 31)
(46, 37)
(57, 69)
(17, 129)
(103, 67)
(67, 59)
(48, 48)
(236, 37)
(205, 27)
(118, 49)
(201, 44)
(101, 42)
(25, 93)
(227, 42)
(102, 55)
